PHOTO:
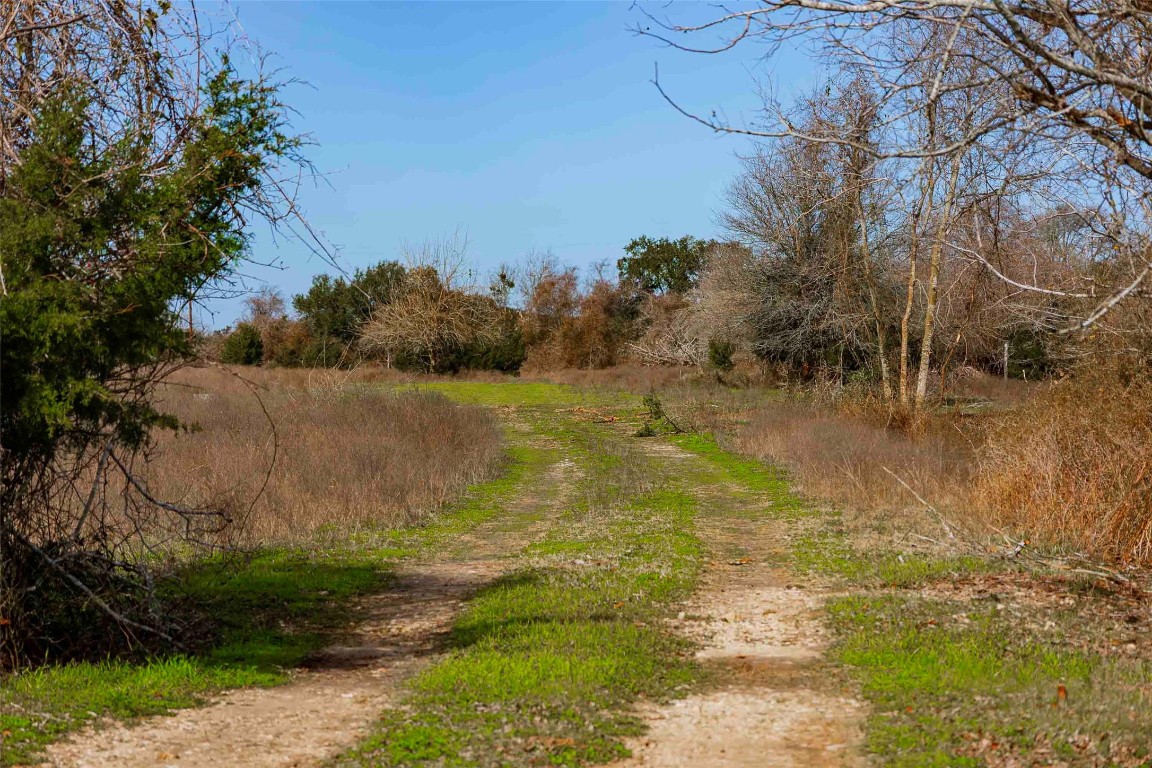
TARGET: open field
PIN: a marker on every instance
(293, 454)
(586, 596)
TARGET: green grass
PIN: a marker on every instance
(943, 677)
(546, 663)
(954, 684)
(47, 703)
(528, 394)
(745, 476)
(827, 551)
(268, 611)
(275, 606)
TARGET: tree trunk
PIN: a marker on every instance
(923, 211)
(909, 302)
(934, 283)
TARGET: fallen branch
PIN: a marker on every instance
(100, 603)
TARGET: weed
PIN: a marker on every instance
(656, 419)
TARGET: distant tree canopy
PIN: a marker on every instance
(243, 346)
(663, 265)
(336, 308)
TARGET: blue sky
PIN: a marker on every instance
(526, 125)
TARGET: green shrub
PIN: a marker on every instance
(720, 354)
(243, 346)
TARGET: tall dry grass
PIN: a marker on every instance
(348, 455)
(1067, 465)
(854, 460)
(1073, 467)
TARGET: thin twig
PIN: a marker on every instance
(929, 507)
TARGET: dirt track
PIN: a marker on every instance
(773, 703)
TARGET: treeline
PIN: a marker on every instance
(836, 262)
(431, 313)
(815, 279)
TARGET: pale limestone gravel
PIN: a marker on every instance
(775, 705)
(756, 729)
(773, 710)
(298, 724)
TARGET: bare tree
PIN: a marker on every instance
(816, 219)
(530, 270)
(1074, 78)
(439, 309)
(671, 336)
(265, 307)
(551, 297)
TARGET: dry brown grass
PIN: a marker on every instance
(972, 384)
(348, 455)
(1074, 466)
(850, 459)
(1067, 465)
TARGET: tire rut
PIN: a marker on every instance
(340, 690)
(770, 702)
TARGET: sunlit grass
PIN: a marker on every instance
(943, 677)
(546, 663)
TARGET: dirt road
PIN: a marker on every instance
(766, 699)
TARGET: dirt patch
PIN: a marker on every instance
(749, 728)
(772, 703)
(664, 449)
(325, 709)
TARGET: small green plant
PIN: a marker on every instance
(646, 430)
(655, 414)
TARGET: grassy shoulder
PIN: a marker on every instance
(971, 661)
(269, 612)
(963, 683)
(268, 609)
(546, 664)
